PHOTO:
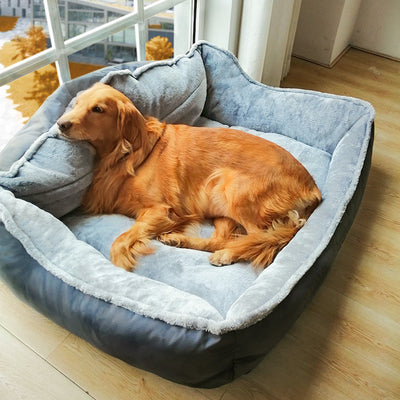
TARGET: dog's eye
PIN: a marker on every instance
(97, 109)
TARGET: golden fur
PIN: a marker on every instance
(170, 176)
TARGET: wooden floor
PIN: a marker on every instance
(346, 345)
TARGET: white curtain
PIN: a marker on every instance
(260, 32)
(183, 26)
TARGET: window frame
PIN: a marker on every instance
(60, 49)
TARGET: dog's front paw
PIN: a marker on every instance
(124, 253)
(121, 254)
(221, 258)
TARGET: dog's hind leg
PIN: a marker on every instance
(225, 230)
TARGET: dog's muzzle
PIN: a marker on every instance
(64, 126)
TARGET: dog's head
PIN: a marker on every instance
(105, 118)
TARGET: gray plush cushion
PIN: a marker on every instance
(328, 134)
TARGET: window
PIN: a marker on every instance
(107, 30)
(81, 36)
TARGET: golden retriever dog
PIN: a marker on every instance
(171, 176)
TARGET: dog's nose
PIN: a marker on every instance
(64, 125)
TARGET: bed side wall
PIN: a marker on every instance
(235, 99)
(254, 342)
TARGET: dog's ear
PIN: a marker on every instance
(131, 125)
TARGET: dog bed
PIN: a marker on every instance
(177, 315)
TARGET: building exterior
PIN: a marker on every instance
(16, 8)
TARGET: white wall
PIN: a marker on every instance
(378, 27)
(346, 26)
(317, 29)
(327, 27)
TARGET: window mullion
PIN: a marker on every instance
(140, 31)
(26, 66)
(57, 40)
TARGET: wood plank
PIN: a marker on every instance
(25, 375)
(362, 330)
(29, 326)
(328, 356)
(338, 349)
(106, 377)
(360, 279)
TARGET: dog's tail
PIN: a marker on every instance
(261, 247)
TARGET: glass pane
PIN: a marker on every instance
(87, 60)
(39, 16)
(116, 49)
(117, 53)
(83, 63)
(19, 38)
(121, 46)
(160, 36)
(21, 98)
(11, 117)
(81, 17)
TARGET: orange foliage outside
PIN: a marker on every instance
(7, 23)
(159, 48)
